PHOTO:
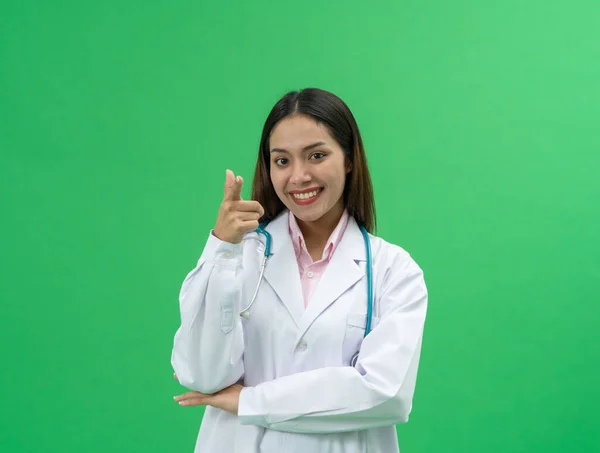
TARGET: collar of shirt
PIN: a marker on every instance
(334, 238)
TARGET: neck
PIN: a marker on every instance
(317, 232)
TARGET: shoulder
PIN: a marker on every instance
(392, 256)
(401, 279)
(272, 232)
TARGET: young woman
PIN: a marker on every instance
(280, 358)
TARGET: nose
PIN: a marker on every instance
(300, 175)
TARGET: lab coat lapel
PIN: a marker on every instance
(341, 274)
(281, 271)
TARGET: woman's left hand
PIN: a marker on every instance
(227, 399)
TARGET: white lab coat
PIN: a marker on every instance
(300, 393)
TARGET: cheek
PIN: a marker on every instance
(338, 178)
(276, 181)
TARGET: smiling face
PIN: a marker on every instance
(308, 168)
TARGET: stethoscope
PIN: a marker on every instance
(245, 313)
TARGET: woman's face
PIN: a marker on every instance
(308, 168)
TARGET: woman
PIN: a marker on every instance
(281, 376)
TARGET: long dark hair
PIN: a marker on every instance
(329, 110)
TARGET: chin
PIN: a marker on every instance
(307, 218)
(307, 215)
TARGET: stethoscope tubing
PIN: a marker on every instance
(245, 313)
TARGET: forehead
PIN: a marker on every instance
(298, 131)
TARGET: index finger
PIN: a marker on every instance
(233, 187)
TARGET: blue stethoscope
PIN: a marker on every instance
(245, 313)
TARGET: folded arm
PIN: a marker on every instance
(378, 392)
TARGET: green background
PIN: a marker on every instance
(481, 123)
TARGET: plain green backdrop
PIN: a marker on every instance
(481, 121)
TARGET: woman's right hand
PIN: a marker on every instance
(236, 216)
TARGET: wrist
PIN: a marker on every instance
(224, 238)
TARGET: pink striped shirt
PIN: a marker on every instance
(312, 271)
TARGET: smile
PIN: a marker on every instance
(305, 198)
(306, 195)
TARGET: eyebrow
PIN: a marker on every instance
(306, 148)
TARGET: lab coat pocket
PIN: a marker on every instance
(355, 332)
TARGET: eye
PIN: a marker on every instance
(319, 156)
(280, 161)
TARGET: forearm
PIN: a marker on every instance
(333, 399)
(208, 346)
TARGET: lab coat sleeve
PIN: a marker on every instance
(208, 346)
(378, 392)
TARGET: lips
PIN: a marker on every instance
(306, 196)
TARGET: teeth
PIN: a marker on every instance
(304, 196)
